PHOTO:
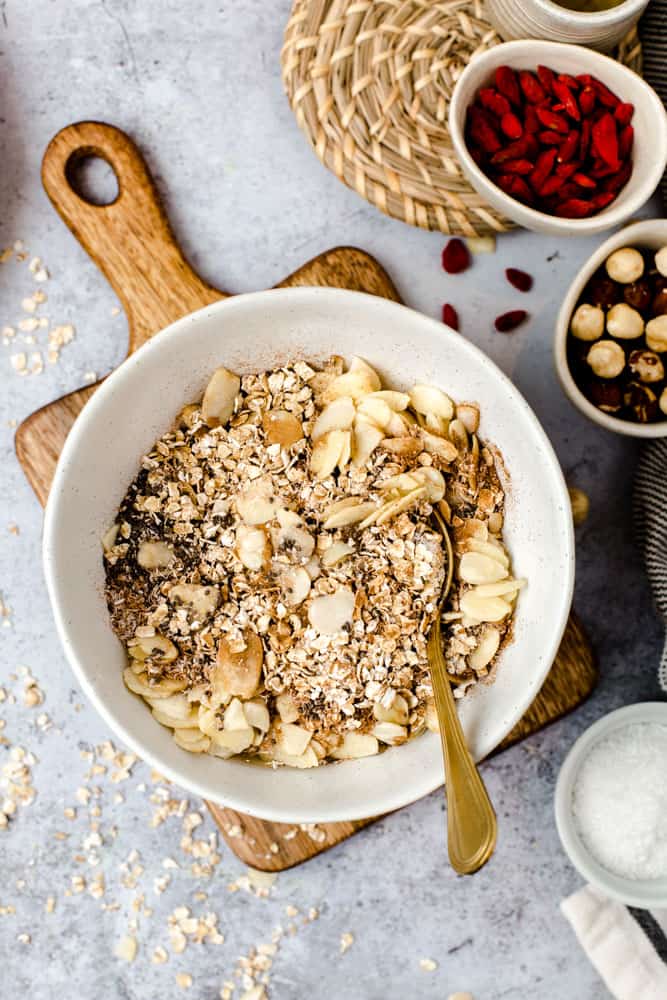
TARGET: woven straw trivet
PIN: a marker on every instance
(369, 82)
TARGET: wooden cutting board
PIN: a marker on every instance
(131, 242)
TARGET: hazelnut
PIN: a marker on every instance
(638, 294)
(662, 402)
(659, 304)
(641, 401)
(606, 395)
(656, 333)
(624, 322)
(587, 322)
(601, 291)
(661, 261)
(606, 358)
(625, 265)
(646, 366)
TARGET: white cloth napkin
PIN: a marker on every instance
(618, 946)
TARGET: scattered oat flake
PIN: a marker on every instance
(23, 938)
(89, 378)
(115, 310)
(126, 949)
(159, 956)
(346, 941)
(184, 980)
(427, 964)
(18, 361)
(50, 904)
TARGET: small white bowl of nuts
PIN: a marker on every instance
(611, 333)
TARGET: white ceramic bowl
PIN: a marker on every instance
(646, 893)
(548, 20)
(650, 233)
(649, 122)
(250, 333)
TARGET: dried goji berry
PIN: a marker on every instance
(450, 316)
(511, 152)
(552, 121)
(605, 139)
(543, 168)
(518, 167)
(602, 200)
(568, 100)
(569, 147)
(617, 180)
(584, 144)
(531, 86)
(551, 185)
(483, 135)
(569, 81)
(455, 256)
(574, 208)
(625, 140)
(566, 170)
(583, 180)
(511, 126)
(494, 101)
(531, 122)
(624, 112)
(587, 100)
(604, 94)
(602, 169)
(510, 320)
(515, 186)
(507, 84)
(546, 77)
(550, 138)
(519, 279)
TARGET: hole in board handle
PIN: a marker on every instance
(92, 178)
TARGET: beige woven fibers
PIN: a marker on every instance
(369, 82)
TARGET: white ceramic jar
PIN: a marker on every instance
(547, 20)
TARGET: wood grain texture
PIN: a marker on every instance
(133, 245)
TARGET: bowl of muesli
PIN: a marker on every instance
(244, 568)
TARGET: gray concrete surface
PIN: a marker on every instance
(198, 87)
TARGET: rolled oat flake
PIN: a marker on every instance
(619, 801)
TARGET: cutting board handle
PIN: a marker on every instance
(129, 239)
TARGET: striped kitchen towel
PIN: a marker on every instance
(627, 947)
(650, 516)
(653, 34)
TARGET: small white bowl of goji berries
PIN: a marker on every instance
(558, 138)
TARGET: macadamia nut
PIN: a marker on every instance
(624, 322)
(587, 322)
(656, 333)
(646, 366)
(625, 265)
(606, 358)
(661, 261)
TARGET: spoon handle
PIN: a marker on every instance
(471, 821)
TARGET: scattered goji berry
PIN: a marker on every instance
(506, 83)
(520, 279)
(450, 316)
(509, 321)
(455, 256)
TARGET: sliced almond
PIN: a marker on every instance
(238, 673)
(288, 518)
(484, 609)
(235, 740)
(171, 718)
(397, 712)
(255, 506)
(252, 546)
(486, 648)
(399, 425)
(331, 613)
(287, 710)
(395, 507)
(156, 647)
(475, 567)
(307, 759)
(140, 684)
(468, 414)
(327, 452)
(202, 598)
(406, 447)
(439, 446)
(155, 555)
(294, 544)
(292, 739)
(366, 438)
(434, 424)
(257, 715)
(505, 588)
(345, 451)
(313, 568)
(390, 733)
(428, 399)
(208, 721)
(336, 553)
(403, 483)
(282, 427)
(397, 401)
(358, 364)
(220, 397)
(294, 584)
(352, 384)
(351, 513)
(355, 745)
(191, 740)
(496, 522)
(433, 481)
(337, 416)
(234, 717)
(458, 435)
(489, 548)
(375, 410)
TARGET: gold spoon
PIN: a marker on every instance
(471, 821)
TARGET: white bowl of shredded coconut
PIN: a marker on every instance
(254, 333)
(611, 804)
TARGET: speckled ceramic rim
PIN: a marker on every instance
(650, 233)
(646, 171)
(646, 894)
